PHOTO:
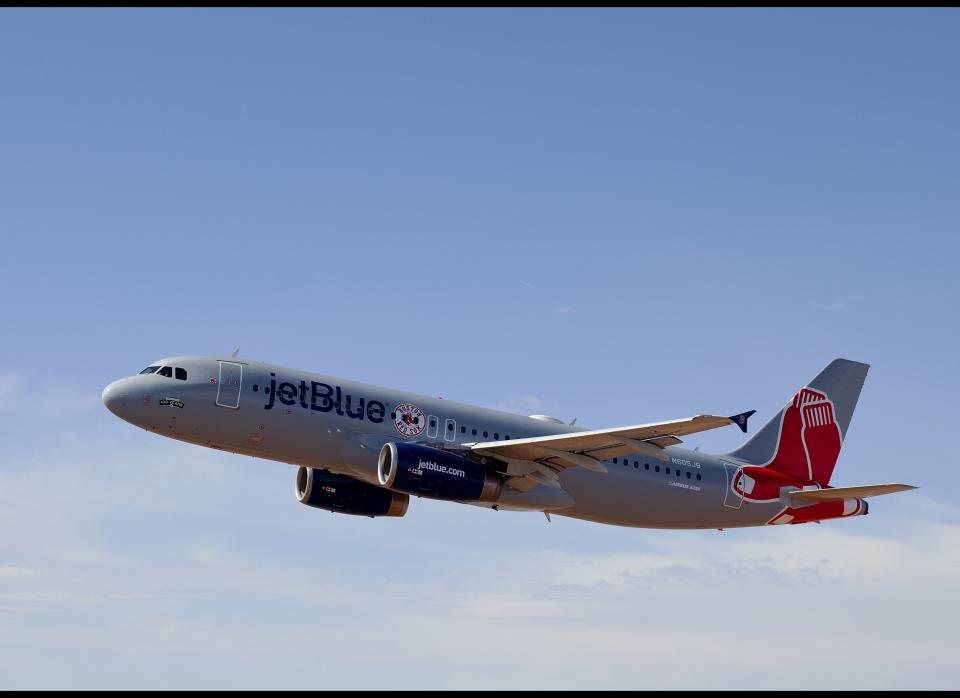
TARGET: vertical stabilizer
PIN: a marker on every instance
(803, 440)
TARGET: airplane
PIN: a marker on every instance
(363, 450)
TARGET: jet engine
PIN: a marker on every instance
(344, 495)
(430, 472)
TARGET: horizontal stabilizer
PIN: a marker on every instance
(833, 494)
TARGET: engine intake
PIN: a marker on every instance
(430, 472)
(344, 495)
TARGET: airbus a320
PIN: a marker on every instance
(364, 450)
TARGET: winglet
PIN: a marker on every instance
(741, 419)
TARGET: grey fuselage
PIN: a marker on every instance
(338, 425)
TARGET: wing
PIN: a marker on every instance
(538, 460)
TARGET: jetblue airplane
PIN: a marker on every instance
(364, 450)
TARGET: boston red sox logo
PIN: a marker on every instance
(409, 419)
(806, 451)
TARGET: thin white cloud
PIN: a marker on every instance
(43, 396)
(836, 306)
(10, 384)
(840, 305)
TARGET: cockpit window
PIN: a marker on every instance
(166, 371)
(149, 369)
(181, 374)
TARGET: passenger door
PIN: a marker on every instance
(228, 387)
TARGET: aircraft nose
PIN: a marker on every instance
(116, 397)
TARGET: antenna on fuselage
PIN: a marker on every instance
(235, 352)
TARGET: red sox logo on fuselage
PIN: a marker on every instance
(409, 419)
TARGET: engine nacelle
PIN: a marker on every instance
(344, 495)
(430, 472)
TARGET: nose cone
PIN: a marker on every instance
(116, 397)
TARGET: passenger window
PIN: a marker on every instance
(698, 476)
(463, 430)
(484, 434)
(181, 374)
(657, 468)
(688, 474)
(166, 371)
(474, 432)
(646, 466)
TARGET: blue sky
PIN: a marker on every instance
(619, 215)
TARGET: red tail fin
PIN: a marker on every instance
(810, 438)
